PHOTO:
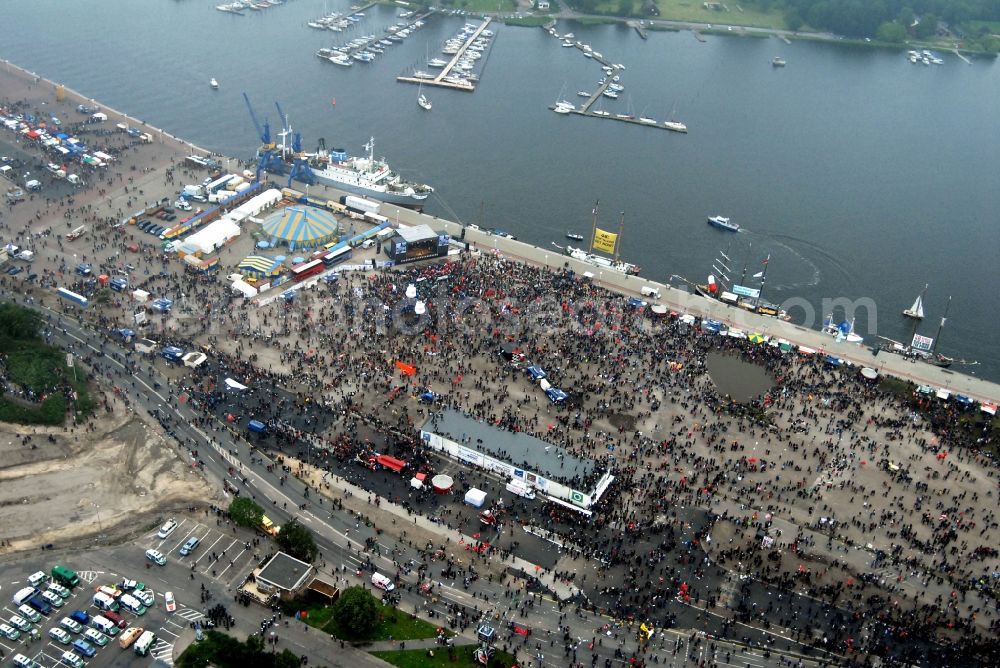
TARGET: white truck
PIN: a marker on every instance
(26, 255)
(520, 488)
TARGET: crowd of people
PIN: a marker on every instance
(875, 502)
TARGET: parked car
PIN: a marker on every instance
(59, 589)
(114, 618)
(15, 270)
(145, 597)
(53, 599)
(96, 637)
(189, 546)
(60, 635)
(84, 647)
(20, 623)
(71, 625)
(80, 616)
(29, 613)
(167, 528)
(169, 602)
(156, 557)
(9, 632)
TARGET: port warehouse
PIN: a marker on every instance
(575, 483)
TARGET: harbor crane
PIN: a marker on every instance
(301, 171)
(267, 159)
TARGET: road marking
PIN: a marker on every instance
(163, 629)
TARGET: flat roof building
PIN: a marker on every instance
(284, 575)
(558, 474)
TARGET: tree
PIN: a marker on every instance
(356, 612)
(298, 541)
(223, 651)
(927, 26)
(890, 31)
(793, 19)
(246, 512)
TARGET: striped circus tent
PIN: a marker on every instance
(301, 227)
(259, 267)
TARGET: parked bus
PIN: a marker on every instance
(144, 643)
(307, 269)
(336, 256)
(65, 576)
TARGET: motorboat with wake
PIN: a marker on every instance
(723, 223)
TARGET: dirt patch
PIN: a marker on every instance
(98, 481)
(623, 421)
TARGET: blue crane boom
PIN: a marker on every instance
(264, 132)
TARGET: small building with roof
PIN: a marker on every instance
(284, 575)
(560, 476)
(416, 242)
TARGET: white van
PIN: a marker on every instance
(37, 579)
(105, 602)
(24, 594)
(167, 528)
(382, 582)
(144, 642)
(647, 291)
(104, 625)
(132, 604)
(520, 488)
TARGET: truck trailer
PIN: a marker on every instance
(68, 295)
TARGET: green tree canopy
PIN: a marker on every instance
(223, 651)
(17, 322)
(246, 512)
(356, 611)
(298, 541)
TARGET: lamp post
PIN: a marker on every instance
(100, 527)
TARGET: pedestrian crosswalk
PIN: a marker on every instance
(163, 651)
(188, 614)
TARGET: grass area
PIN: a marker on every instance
(690, 10)
(396, 623)
(38, 368)
(480, 6)
(419, 658)
(527, 21)
(593, 21)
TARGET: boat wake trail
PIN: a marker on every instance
(811, 283)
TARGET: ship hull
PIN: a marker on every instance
(388, 197)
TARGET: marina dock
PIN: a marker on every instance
(964, 59)
(439, 80)
(585, 109)
(639, 29)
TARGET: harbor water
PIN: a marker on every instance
(861, 176)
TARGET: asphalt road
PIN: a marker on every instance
(342, 545)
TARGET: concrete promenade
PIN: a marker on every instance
(687, 302)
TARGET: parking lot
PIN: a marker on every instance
(205, 577)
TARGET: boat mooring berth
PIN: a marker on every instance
(444, 79)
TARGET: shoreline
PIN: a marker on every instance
(680, 300)
(34, 78)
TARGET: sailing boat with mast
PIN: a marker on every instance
(422, 100)
(738, 294)
(606, 242)
(917, 310)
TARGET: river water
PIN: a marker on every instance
(862, 176)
